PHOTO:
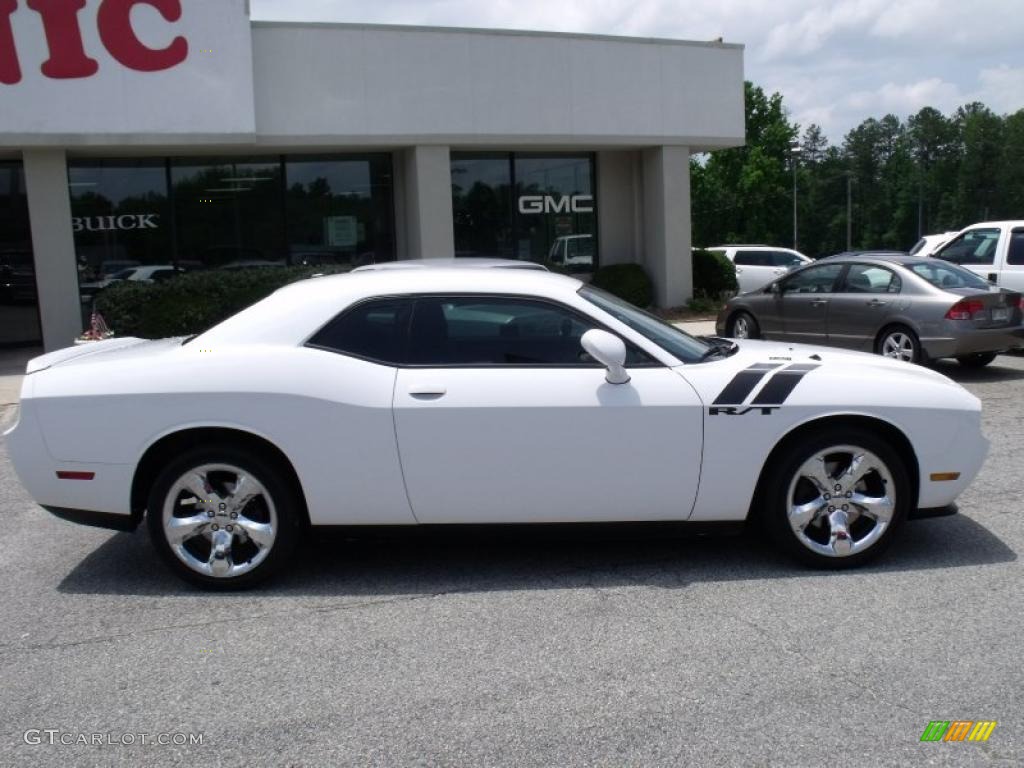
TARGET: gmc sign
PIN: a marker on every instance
(529, 204)
(68, 58)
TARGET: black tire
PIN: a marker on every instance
(784, 471)
(256, 465)
(738, 319)
(900, 332)
(979, 360)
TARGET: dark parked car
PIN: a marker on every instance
(904, 307)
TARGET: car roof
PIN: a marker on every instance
(879, 257)
(293, 312)
(464, 262)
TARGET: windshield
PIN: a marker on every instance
(674, 341)
(944, 275)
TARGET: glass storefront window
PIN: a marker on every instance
(228, 212)
(556, 214)
(133, 215)
(551, 217)
(482, 205)
(120, 216)
(19, 305)
(339, 211)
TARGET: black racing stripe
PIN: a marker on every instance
(743, 383)
(781, 385)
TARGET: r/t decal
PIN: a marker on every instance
(731, 401)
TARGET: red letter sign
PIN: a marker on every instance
(124, 45)
(10, 72)
(64, 36)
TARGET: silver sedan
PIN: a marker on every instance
(905, 307)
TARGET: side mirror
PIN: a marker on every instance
(610, 351)
(775, 289)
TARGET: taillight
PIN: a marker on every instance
(965, 309)
(1020, 302)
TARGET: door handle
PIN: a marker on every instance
(819, 303)
(427, 391)
(993, 277)
(876, 303)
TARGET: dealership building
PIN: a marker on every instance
(180, 133)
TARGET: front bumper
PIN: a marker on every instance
(924, 514)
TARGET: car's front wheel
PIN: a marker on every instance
(223, 517)
(835, 500)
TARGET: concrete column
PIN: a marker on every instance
(49, 206)
(667, 230)
(616, 209)
(429, 229)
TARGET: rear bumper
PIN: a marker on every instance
(970, 341)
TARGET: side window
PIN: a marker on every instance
(819, 279)
(783, 259)
(480, 330)
(869, 278)
(1015, 253)
(751, 259)
(975, 247)
(375, 330)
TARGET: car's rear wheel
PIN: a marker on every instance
(742, 325)
(223, 517)
(836, 499)
(900, 343)
(979, 360)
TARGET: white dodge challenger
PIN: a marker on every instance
(457, 395)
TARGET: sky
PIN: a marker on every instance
(836, 62)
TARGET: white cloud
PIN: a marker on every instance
(1002, 88)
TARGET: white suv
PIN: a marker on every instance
(758, 265)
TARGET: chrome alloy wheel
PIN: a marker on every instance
(219, 520)
(898, 345)
(840, 502)
(741, 327)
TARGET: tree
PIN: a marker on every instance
(742, 194)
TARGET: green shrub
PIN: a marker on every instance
(714, 276)
(704, 305)
(193, 302)
(627, 281)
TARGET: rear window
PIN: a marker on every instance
(943, 275)
(375, 330)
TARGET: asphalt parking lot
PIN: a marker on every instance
(531, 651)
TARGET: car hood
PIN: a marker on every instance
(843, 374)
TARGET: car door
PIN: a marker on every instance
(863, 300)
(501, 418)
(753, 269)
(803, 302)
